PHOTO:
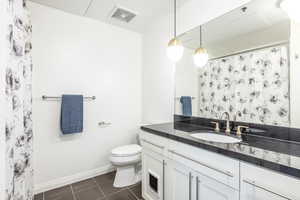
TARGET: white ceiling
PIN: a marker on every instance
(147, 10)
(260, 15)
(264, 23)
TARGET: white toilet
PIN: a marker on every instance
(126, 159)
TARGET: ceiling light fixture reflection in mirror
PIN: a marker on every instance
(201, 55)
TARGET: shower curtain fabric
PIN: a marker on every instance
(254, 86)
(17, 91)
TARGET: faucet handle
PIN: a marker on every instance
(217, 126)
(239, 131)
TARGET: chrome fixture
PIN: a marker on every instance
(104, 123)
(217, 126)
(175, 48)
(44, 97)
(178, 98)
(227, 122)
(239, 131)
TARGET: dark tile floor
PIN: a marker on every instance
(97, 188)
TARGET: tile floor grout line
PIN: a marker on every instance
(133, 194)
(121, 190)
(73, 193)
(104, 196)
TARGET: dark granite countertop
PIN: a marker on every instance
(275, 154)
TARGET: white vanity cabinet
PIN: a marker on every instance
(153, 166)
(209, 188)
(153, 175)
(176, 171)
(179, 181)
(184, 183)
(261, 184)
(195, 174)
(188, 173)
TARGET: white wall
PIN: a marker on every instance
(158, 71)
(294, 74)
(187, 82)
(158, 74)
(72, 54)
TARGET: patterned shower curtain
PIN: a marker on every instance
(252, 86)
(18, 101)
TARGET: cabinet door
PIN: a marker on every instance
(253, 191)
(152, 176)
(208, 188)
(178, 182)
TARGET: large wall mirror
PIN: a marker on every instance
(253, 67)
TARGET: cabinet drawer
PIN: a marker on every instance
(153, 142)
(257, 183)
(218, 167)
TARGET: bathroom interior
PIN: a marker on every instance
(149, 100)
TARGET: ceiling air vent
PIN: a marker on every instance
(123, 14)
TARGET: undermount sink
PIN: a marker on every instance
(212, 137)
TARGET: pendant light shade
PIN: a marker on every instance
(175, 49)
(291, 7)
(200, 55)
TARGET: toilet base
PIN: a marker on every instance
(126, 175)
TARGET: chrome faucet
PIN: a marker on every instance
(227, 122)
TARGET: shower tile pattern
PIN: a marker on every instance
(18, 102)
(255, 85)
(97, 188)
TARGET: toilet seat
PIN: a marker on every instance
(127, 150)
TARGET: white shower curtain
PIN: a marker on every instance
(16, 100)
(254, 86)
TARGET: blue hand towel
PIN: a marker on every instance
(186, 102)
(71, 120)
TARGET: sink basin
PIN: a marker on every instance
(212, 137)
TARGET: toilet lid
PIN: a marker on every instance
(127, 150)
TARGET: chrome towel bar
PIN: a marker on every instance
(59, 98)
(178, 98)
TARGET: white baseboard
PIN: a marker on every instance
(56, 183)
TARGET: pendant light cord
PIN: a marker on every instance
(175, 18)
(200, 36)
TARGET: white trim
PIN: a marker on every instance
(59, 182)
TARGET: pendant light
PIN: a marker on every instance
(291, 7)
(200, 55)
(175, 48)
